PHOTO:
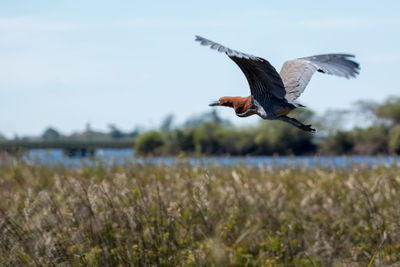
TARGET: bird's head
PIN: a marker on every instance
(243, 106)
(226, 101)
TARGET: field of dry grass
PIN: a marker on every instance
(141, 215)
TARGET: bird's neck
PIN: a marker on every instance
(238, 103)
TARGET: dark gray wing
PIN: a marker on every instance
(297, 73)
(261, 75)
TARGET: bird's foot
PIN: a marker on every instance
(308, 128)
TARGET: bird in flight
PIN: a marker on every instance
(272, 94)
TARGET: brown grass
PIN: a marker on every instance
(140, 215)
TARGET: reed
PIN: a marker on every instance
(183, 215)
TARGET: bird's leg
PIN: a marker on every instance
(297, 124)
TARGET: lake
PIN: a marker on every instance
(120, 156)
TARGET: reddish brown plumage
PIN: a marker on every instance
(238, 103)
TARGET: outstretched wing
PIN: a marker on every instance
(262, 77)
(298, 72)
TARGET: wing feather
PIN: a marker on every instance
(261, 75)
(297, 73)
(223, 49)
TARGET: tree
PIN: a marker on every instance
(332, 121)
(50, 134)
(365, 112)
(167, 123)
(212, 116)
(149, 143)
(394, 140)
(115, 132)
(135, 132)
(372, 140)
(342, 142)
(390, 110)
(275, 137)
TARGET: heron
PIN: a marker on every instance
(273, 95)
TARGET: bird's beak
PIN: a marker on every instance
(215, 103)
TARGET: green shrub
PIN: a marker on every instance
(394, 140)
(390, 110)
(149, 143)
(341, 142)
(372, 140)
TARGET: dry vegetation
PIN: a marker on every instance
(141, 215)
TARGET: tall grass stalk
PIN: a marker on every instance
(183, 215)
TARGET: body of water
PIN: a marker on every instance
(120, 156)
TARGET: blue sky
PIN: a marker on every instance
(67, 63)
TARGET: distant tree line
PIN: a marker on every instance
(382, 136)
(210, 135)
(114, 133)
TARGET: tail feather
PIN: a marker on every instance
(300, 105)
(297, 105)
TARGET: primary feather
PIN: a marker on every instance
(297, 73)
(263, 78)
